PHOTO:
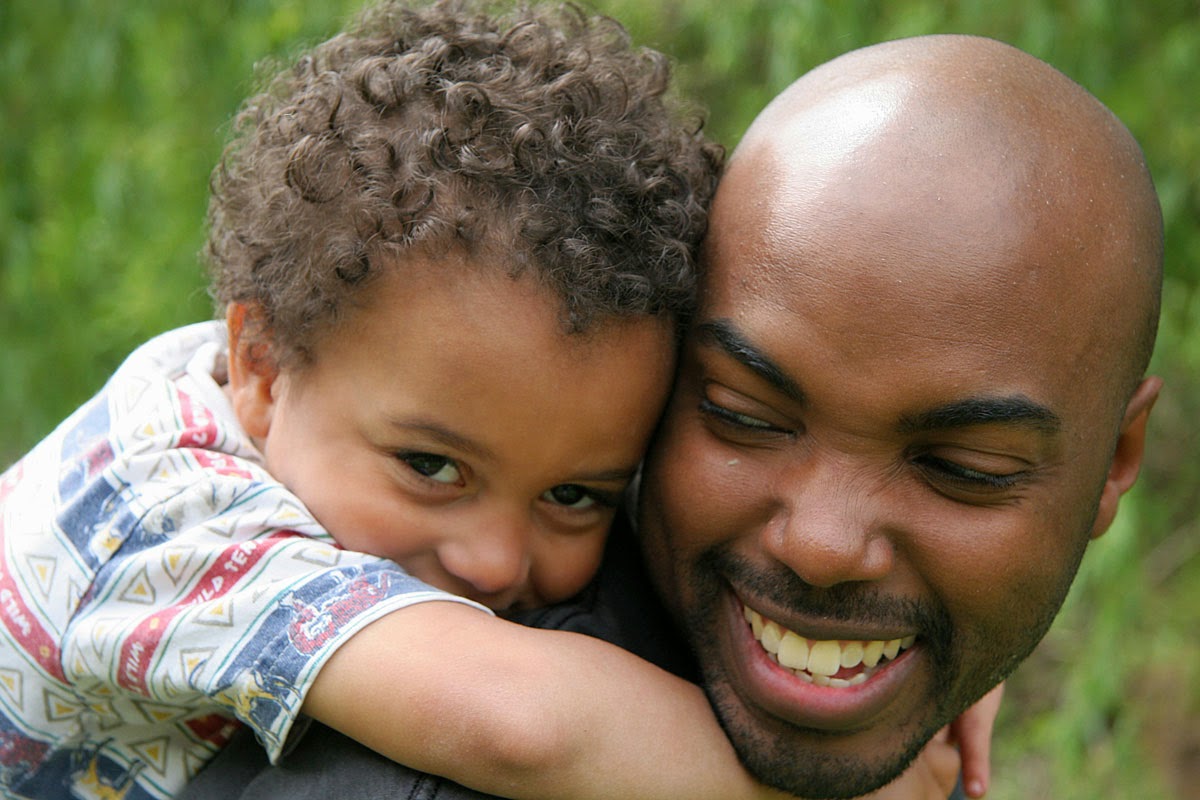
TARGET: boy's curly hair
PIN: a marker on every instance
(540, 137)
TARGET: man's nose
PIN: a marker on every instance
(829, 523)
(491, 554)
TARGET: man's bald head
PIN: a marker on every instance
(964, 141)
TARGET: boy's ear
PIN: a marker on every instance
(1127, 460)
(252, 370)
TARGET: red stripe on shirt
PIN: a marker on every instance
(23, 625)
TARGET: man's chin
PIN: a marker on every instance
(811, 764)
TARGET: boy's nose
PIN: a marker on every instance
(492, 557)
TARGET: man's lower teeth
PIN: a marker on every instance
(825, 680)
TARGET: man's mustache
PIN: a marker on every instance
(856, 604)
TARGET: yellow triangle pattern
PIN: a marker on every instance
(154, 752)
(140, 589)
(100, 631)
(12, 685)
(287, 513)
(42, 568)
(193, 661)
(160, 712)
(75, 592)
(218, 612)
(107, 712)
(175, 561)
(60, 708)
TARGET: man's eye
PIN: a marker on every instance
(723, 414)
(437, 468)
(968, 478)
(574, 496)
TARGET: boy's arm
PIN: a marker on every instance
(522, 712)
(528, 713)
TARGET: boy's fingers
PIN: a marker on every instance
(973, 732)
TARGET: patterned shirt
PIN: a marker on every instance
(158, 588)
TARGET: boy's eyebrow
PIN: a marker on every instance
(443, 435)
(1007, 410)
(725, 335)
(620, 475)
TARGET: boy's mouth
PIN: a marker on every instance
(836, 662)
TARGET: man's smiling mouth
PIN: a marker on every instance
(835, 663)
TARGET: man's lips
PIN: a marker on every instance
(825, 662)
(837, 689)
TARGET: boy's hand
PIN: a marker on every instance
(972, 732)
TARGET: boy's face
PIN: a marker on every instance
(451, 425)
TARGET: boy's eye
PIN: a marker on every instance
(571, 495)
(432, 466)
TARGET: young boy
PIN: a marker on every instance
(452, 255)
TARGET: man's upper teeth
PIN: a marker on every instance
(820, 657)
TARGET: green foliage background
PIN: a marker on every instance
(113, 113)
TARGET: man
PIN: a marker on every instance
(912, 395)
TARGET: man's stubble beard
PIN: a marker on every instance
(798, 769)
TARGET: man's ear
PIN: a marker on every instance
(1127, 460)
(252, 370)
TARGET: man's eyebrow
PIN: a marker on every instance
(724, 334)
(1010, 410)
(1006, 410)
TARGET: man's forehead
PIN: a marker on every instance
(867, 286)
(917, 261)
(868, 272)
(950, 212)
